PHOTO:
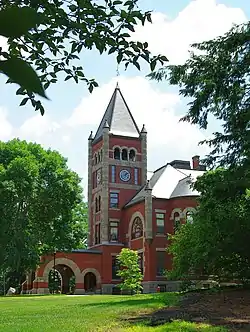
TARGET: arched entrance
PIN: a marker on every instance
(66, 276)
(89, 282)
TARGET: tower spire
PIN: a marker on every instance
(117, 118)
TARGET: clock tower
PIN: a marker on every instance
(117, 169)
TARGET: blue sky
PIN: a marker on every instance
(72, 112)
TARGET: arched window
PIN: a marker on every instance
(99, 203)
(132, 155)
(124, 154)
(137, 228)
(96, 204)
(117, 154)
(189, 217)
(177, 222)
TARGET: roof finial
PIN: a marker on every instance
(144, 130)
(106, 125)
(148, 186)
(117, 85)
(91, 136)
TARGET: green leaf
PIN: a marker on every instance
(23, 74)
(149, 18)
(15, 21)
(152, 65)
(24, 101)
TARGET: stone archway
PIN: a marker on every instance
(66, 274)
(63, 262)
(90, 282)
(92, 279)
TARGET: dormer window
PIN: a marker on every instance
(124, 154)
(132, 155)
(117, 154)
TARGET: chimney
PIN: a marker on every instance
(196, 162)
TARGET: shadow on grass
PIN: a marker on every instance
(167, 299)
(213, 312)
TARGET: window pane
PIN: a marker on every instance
(115, 268)
(114, 195)
(113, 174)
(160, 259)
(136, 175)
(160, 222)
(160, 215)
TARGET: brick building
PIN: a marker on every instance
(128, 207)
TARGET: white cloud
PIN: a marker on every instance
(168, 139)
(6, 129)
(200, 20)
(37, 127)
(149, 106)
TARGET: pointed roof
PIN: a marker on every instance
(118, 118)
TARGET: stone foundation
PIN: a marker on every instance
(168, 286)
(107, 288)
(79, 291)
(42, 291)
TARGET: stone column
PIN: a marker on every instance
(143, 136)
(148, 212)
(90, 140)
(105, 186)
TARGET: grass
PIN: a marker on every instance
(87, 313)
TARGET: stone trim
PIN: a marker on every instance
(96, 167)
(138, 238)
(114, 191)
(176, 210)
(187, 209)
(125, 186)
(106, 243)
(62, 261)
(160, 211)
(114, 220)
(125, 163)
(134, 215)
(148, 215)
(160, 249)
(94, 271)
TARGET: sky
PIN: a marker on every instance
(73, 112)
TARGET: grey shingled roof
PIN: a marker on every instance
(170, 182)
(119, 118)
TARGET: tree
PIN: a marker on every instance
(49, 35)
(217, 242)
(129, 270)
(39, 196)
(216, 78)
(80, 218)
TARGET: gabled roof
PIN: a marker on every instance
(118, 117)
(170, 182)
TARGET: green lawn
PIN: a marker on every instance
(87, 313)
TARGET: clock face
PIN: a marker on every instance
(125, 175)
